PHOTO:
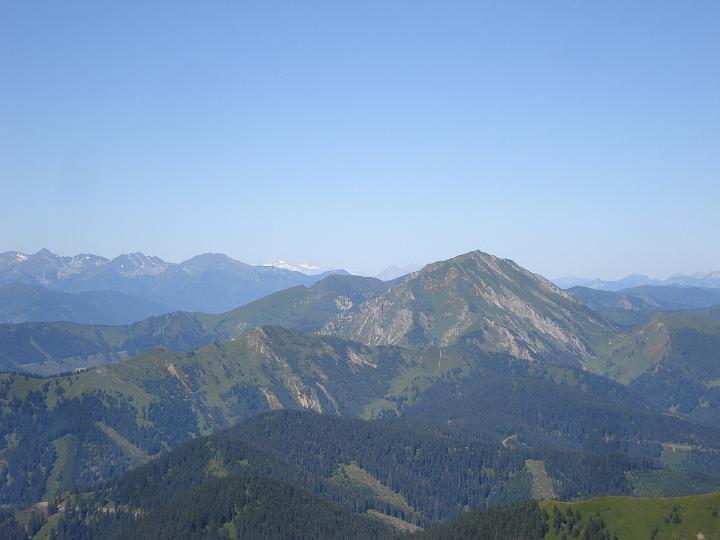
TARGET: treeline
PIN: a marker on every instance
(520, 521)
(570, 524)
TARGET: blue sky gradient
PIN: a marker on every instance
(574, 137)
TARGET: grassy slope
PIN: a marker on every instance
(62, 473)
(351, 473)
(636, 518)
(685, 337)
(631, 353)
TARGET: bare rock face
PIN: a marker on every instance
(480, 300)
(309, 372)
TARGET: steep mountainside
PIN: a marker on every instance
(58, 347)
(483, 301)
(27, 303)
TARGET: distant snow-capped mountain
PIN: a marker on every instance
(305, 268)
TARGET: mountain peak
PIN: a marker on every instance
(480, 257)
(45, 252)
(138, 264)
(211, 261)
(478, 299)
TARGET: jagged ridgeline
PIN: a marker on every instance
(210, 282)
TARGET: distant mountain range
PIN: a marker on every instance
(394, 271)
(211, 282)
(698, 279)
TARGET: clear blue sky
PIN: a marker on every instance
(574, 137)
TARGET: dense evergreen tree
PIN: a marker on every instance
(521, 521)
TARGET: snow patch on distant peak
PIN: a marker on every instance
(138, 264)
(306, 268)
(21, 257)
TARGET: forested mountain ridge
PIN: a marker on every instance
(351, 472)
